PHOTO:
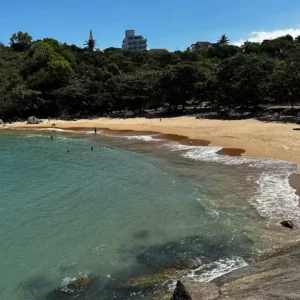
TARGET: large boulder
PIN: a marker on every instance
(34, 120)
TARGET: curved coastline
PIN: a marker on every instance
(249, 138)
(258, 139)
(189, 135)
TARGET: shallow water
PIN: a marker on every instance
(135, 205)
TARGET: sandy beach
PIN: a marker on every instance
(258, 139)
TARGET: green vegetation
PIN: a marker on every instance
(45, 77)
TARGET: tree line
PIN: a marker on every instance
(49, 78)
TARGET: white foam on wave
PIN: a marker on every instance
(67, 280)
(55, 129)
(210, 154)
(274, 198)
(146, 138)
(211, 271)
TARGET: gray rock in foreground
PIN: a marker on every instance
(190, 290)
(274, 277)
(34, 120)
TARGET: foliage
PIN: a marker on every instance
(20, 41)
(91, 42)
(46, 77)
(223, 40)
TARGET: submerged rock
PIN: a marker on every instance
(151, 280)
(74, 288)
(34, 120)
(288, 224)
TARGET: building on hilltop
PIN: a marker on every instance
(201, 45)
(134, 42)
(157, 51)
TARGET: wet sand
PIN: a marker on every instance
(258, 139)
(231, 151)
(294, 180)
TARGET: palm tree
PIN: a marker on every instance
(91, 42)
(223, 40)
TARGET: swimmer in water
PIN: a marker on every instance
(92, 148)
(51, 137)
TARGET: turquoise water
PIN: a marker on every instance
(128, 208)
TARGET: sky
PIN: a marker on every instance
(170, 24)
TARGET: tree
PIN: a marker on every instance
(241, 81)
(250, 47)
(20, 41)
(223, 40)
(286, 79)
(278, 48)
(91, 42)
(179, 83)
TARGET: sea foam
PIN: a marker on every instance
(274, 197)
(55, 129)
(209, 272)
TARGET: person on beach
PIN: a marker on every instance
(160, 119)
(95, 129)
(49, 119)
(92, 148)
(191, 143)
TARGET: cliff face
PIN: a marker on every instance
(275, 277)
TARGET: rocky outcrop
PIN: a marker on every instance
(274, 277)
(181, 292)
(1, 122)
(191, 290)
(34, 120)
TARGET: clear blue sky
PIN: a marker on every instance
(171, 24)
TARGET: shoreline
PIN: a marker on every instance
(253, 138)
(249, 138)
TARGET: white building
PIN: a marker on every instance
(134, 42)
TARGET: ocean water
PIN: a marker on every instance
(133, 206)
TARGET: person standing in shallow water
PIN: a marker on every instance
(95, 129)
(92, 148)
(51, 137)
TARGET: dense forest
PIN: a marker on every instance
(49, 78)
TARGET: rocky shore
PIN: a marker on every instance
(274, 277)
